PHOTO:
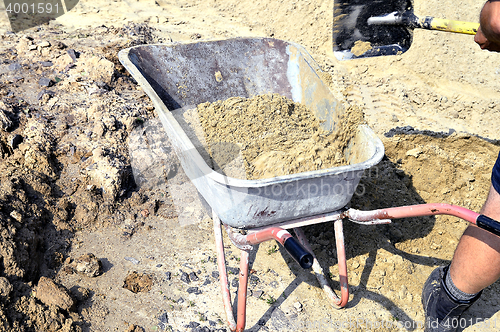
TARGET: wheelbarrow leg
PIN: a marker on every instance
(242, 285)
(221, 262)
(318, 270)
(242, 292)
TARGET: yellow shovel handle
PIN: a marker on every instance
(468, 28)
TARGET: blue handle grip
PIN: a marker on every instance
(486, 223)
(297, 251)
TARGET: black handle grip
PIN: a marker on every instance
(297, 251)
(486, 223)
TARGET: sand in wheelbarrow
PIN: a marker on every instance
(275, 135)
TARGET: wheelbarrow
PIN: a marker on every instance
(179, 76)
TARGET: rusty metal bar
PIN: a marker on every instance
(221, 262)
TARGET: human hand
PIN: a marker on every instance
(484, 43)
(488, 34)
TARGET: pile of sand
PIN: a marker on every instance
(275, 135)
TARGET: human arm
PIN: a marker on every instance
(488, 34)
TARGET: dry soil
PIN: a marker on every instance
(71, 178)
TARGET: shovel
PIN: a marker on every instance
(368, 28)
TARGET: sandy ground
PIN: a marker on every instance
(444, 87)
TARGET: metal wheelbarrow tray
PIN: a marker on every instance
(185, 75)
(181, 76)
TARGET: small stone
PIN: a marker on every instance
(46, 82)
(233, 270)
(88, 265)
(46, 64)
(193, 290)
(98, 69)
(163, 321)
(180, 300)
(193, 276)
(59, 45)
(138, 282)
(195, 36)
(254, 280)
(71, 52)
(402, 292)
(44, 98)
(168, 275)
(414, 152)
(355, 264)
(44, 43)
(16, 215)
(192, 325)
(109, 121)
(323, 242)
(185, 277)
(5, 287)
(132, 260)
(435, 246)
(14, 66)
(135, 328)
(201, 329)
(207, 281)
(215, 274)
(49, 293)
(257, 293)
(145, 213)
(99, 129)
(102, 85)
(158, 265)
(298, 306)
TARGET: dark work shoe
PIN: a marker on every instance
(442, 312)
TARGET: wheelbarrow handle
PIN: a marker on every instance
(486, 223)
(298, 252)
(420, 210)
(292, 246)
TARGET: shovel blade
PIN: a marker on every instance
(354, 38)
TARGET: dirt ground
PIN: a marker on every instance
(87, 244)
